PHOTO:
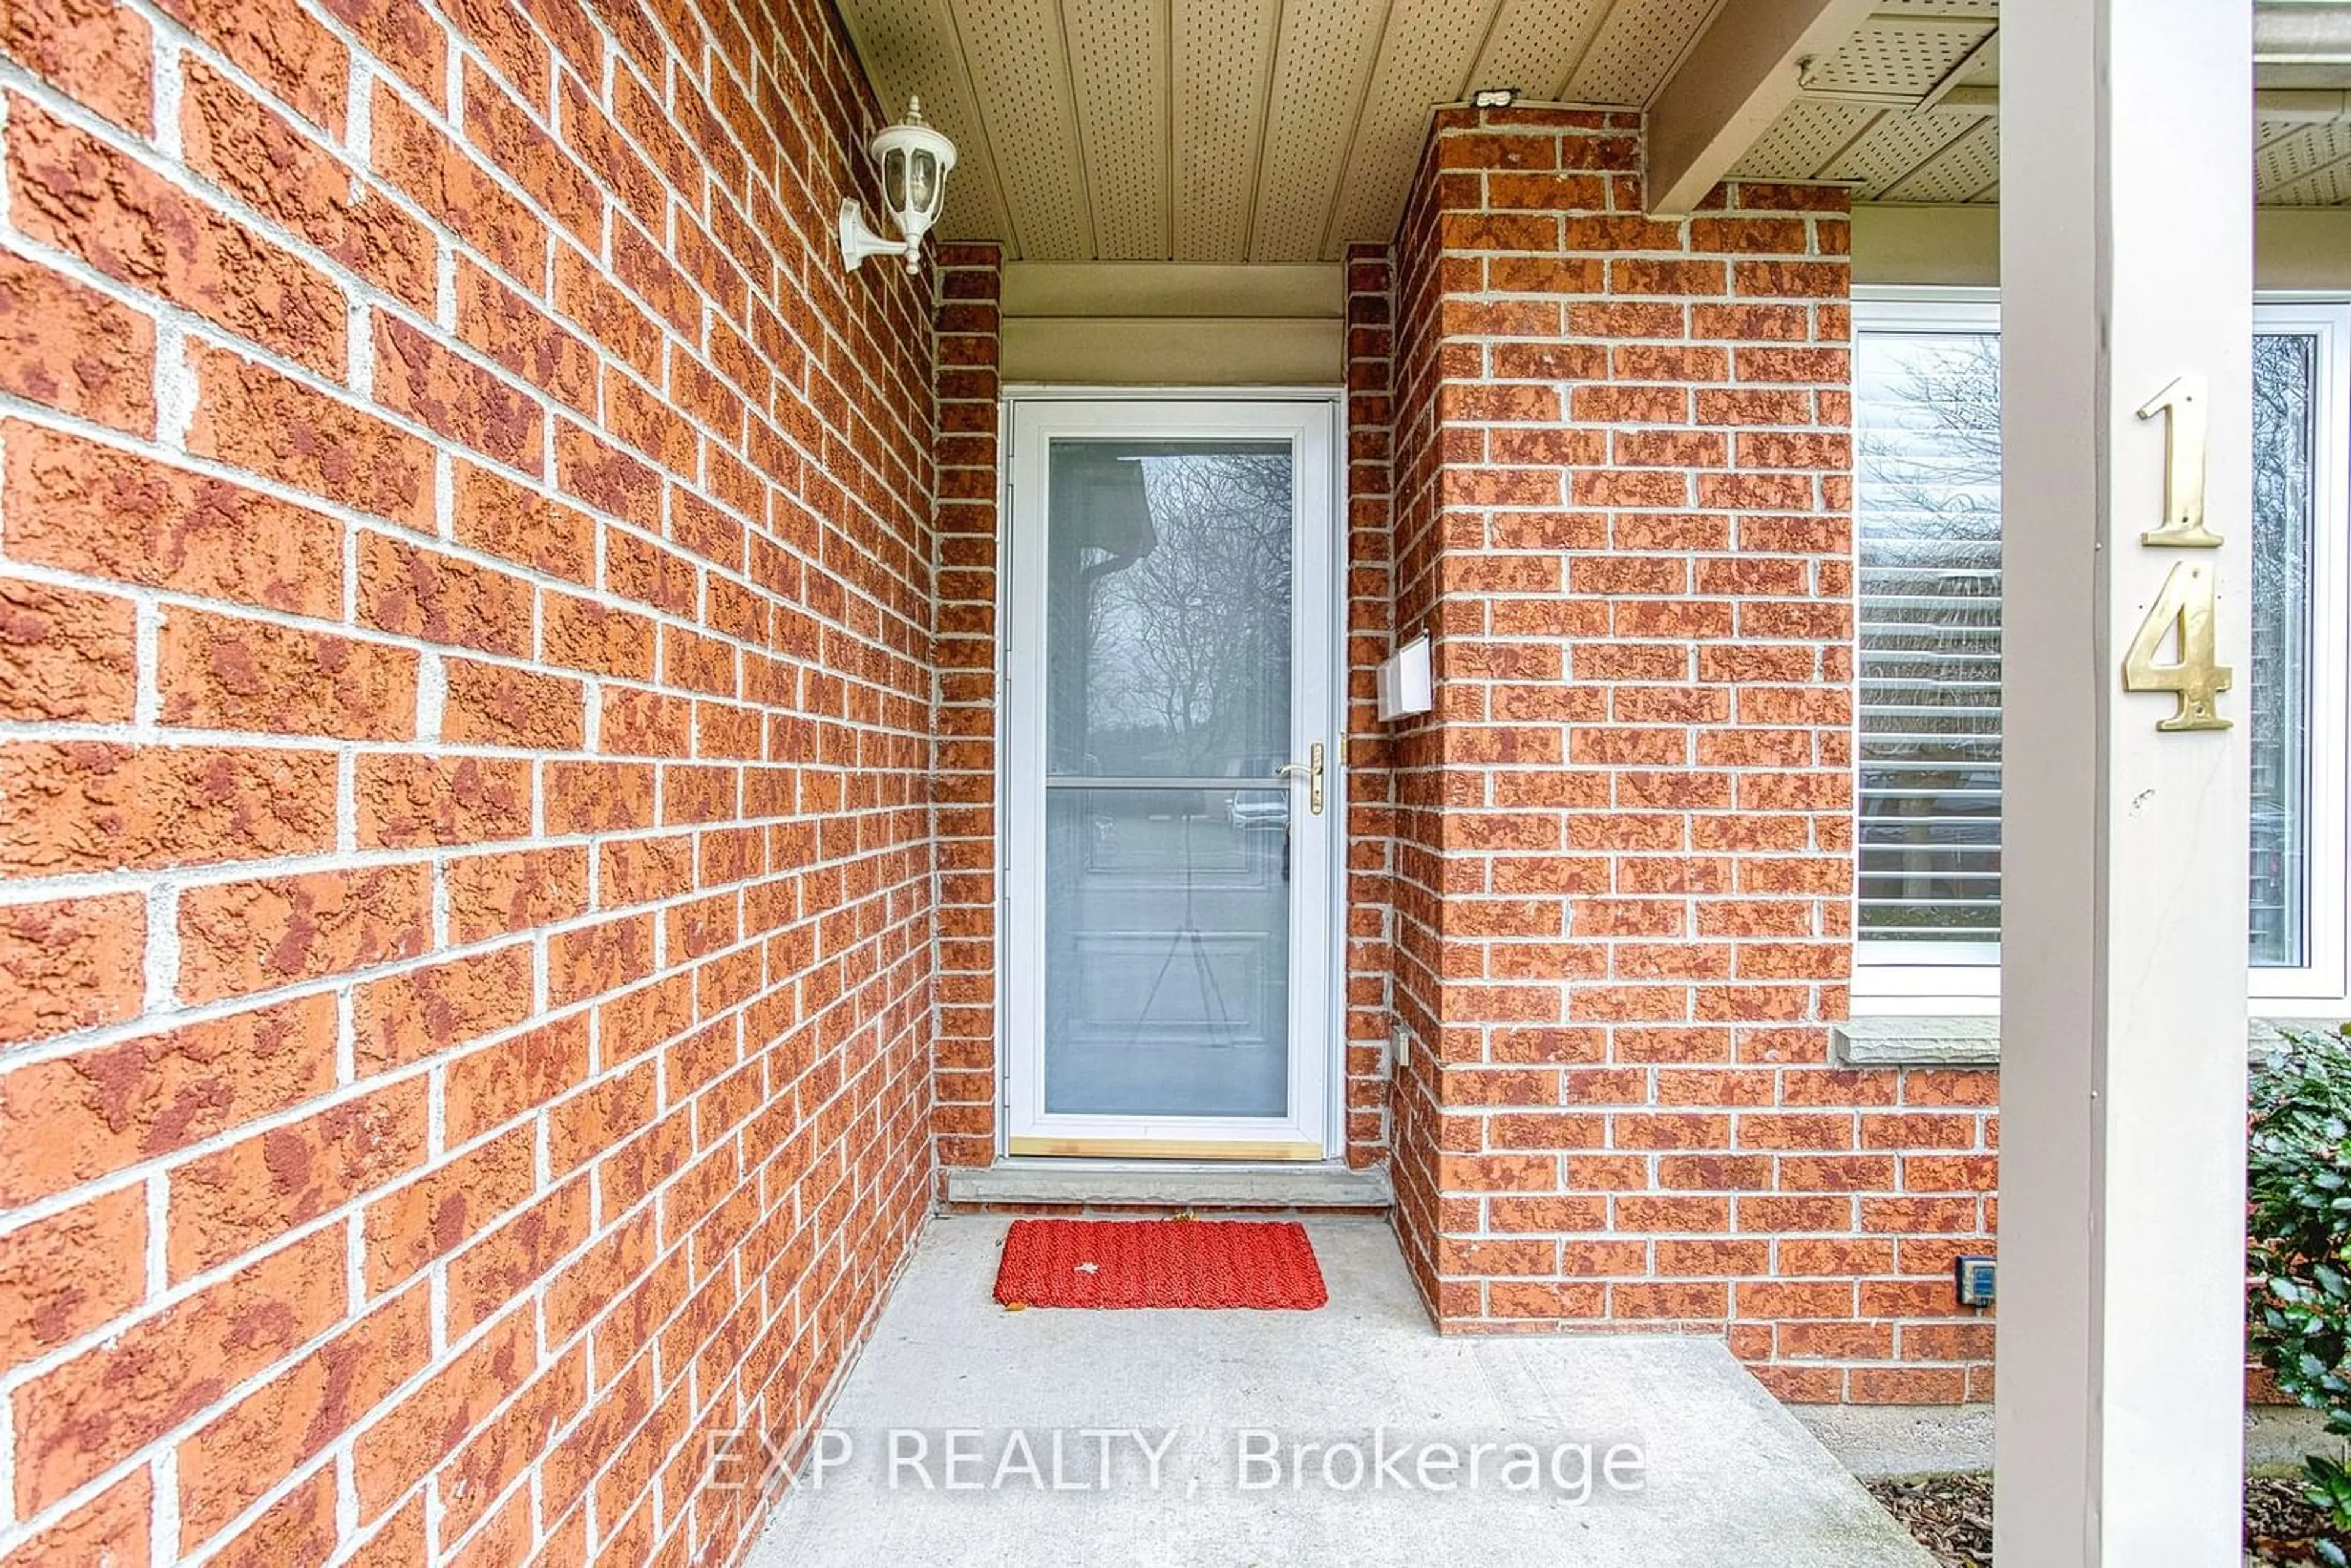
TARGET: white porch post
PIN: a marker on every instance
(2125, 262)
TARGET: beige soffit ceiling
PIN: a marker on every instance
(1279, 131)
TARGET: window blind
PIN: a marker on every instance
(1926, 506)
(1927, 497)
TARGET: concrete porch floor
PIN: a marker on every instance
(1731, 1476)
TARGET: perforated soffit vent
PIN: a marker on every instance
(1278, 131)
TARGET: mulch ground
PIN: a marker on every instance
(1950, 1516)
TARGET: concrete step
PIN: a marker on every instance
(1174, 1185)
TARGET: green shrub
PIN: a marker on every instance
(2298, 1257)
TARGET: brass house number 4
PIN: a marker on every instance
(2182, 613)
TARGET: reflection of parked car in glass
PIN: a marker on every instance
(1247, 809)
(1930, 851)
(1257, 808)
(1953, 797)
(2277, 922)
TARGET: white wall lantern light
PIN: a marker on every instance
(914, 160)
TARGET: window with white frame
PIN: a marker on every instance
(1927, 503)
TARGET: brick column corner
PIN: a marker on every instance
(1369, 828)
(1624, 847)
(964, 1078)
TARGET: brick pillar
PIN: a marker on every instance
(970, 278)
(1623, 858)
(1370, 826)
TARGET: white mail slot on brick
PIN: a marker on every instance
(1403, 681)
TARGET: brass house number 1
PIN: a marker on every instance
(2182, 613)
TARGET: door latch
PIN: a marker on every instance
(1312, 771)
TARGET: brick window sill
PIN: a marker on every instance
(1955, 1040)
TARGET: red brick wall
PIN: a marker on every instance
(970, 284)
(465, 941)
(1623, 872)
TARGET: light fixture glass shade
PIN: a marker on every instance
(913, 161)
(922, 187)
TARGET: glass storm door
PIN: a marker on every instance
(1171, 775)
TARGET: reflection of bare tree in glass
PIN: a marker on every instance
(2282, 441)
(1187, 661)
(1191, 650)
(1928, 495)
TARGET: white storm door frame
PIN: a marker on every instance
(1314, 1127)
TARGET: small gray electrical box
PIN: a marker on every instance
(1976, 1278)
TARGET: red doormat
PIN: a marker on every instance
(1159, 1263)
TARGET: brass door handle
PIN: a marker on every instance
(1312, 771)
